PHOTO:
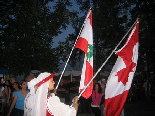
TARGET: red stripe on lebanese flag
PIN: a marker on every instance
(115, 104)
(121, 76)
(82, 44)
(88, 76)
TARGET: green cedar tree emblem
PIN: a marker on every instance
(90, 53)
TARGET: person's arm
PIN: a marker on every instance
(75, 103)
(6, 94)
(74, 88)
(59, 89)
(12, 105)
(63, 89)
(6, 91)
(102, 100)
(3, 94)
(11, 97)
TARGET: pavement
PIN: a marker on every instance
(140, 108)
(86, 114)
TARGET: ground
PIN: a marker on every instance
(139, 108)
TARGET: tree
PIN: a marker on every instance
(111, 20)
(145, 10)
(108, 28)
(27, 31)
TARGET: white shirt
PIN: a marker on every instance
(29, 102)
(57, 108)
(1, 94)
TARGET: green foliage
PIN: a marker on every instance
(28, 28)
(108, 29)
(27, 31)
(145, 10)
(111, 21)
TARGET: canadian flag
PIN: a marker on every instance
(85, 43)
(120, 79)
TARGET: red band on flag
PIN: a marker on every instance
(88, 77)
(127, 52)
(82, 44)
(115, 105)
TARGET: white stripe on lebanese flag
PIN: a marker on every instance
(85, 43)
(120, 79)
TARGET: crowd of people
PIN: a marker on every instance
(141, 90)
(95, 103)
(36, 96)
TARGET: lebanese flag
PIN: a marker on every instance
(120, 79)
(85, 43)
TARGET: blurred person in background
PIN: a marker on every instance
(18, 100)
(61, 91)
(96, 99)
(12, 80)
(9, 86)
(16, 87)
(73, 89)
(29, 103)
(2, 98)
(102, 82)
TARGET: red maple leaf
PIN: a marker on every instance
(126, 54)
(124, 73)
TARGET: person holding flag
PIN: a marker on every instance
(29, 103)
(48, 104)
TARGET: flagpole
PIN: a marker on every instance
(106, 61)
(72, 50)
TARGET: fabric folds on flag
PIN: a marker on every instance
(85, 43)
(120, 79)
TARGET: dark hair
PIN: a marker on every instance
(1, 85)
(74, 77)
(9, 83)
(17, 84)
(29, 78)
(22, 81)
(13, 78)
(99, 87)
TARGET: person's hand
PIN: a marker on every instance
(75, 103)
(97, 104)
(36, 88)
(75, 99)
(100, 107)
(55, 91)
(8, 114)
(62, 89)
